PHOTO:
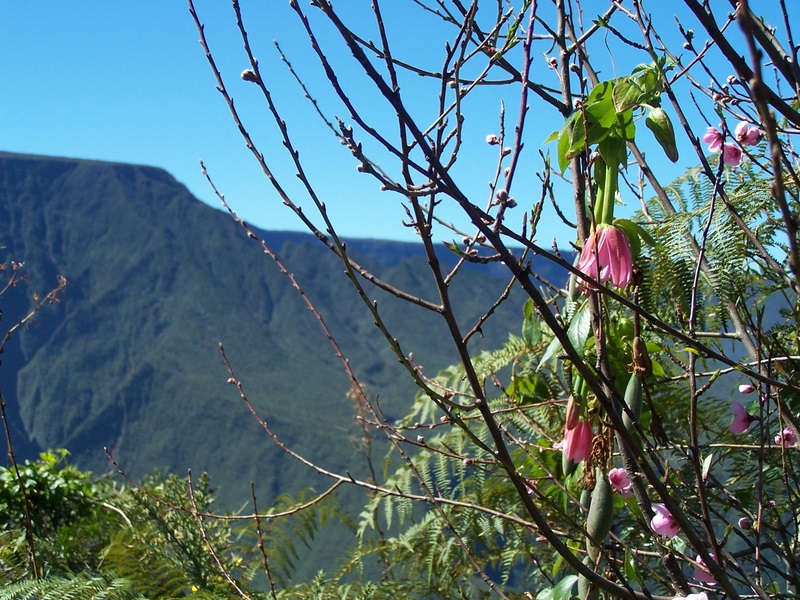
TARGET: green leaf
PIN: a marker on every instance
(531, 328)
(580, 328)
(565, 138)
(626, 128)
(453, 247)
(552, 137)
(613, 150)
(563, 589)
(631, 572)
(659, 123)
(554, 348)
(627, 95)
(707, 465)
(599, 105)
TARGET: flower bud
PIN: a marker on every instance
(249, 75)
(573, 412)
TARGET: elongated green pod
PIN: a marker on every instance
(601, 512)
(585, 590)
(633, 400)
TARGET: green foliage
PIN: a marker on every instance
(606, 117)
(92, 538)
(734, 272)
(58, 493)
(81, 587)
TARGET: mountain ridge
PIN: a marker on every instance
(129, 358)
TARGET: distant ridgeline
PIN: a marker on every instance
(129, 360)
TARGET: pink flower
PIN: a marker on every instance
(620, 482)
(663, 522)
(577, 443)
(713, 138)
(701, 573)
(787, 437)
(747, 388)
(741, 418)
(746, 135)
(732, 154)
(607, 247)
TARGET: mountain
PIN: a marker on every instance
(128, 359)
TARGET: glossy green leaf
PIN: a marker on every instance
(599, 105)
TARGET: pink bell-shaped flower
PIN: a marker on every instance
(577, 444)
(606, 255)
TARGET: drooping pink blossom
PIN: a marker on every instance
(609, 249)
(701, 573)
(787, 437)
(713, 137)
(741, 418)
(663, 523)
(746, 523)
(620, 482)
(747, 388)
(731, 154)
(577, 444)
(747, 135)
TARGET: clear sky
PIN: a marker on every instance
(128, 81)
(122, 81)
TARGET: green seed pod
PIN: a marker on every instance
(601, 512)
(585, 591)
(633, 400)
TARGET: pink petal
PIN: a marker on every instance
(741, 419)
(731, 154)
(662, 522)
(746, 135)
(700, 573)
(713, 138)
(619, 480)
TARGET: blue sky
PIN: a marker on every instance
(120, 81)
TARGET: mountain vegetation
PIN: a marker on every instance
(129, 359)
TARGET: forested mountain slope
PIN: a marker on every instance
(129, 360)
